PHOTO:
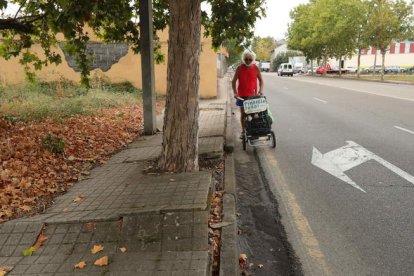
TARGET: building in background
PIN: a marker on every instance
(116, 63)
(398, 54)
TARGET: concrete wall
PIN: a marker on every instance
(403, 60)
(116, 63)
(392, 58)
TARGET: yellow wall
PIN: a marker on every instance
(127, 69)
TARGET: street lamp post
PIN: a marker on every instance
(147, 66)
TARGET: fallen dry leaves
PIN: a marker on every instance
(216, 207)
(102, 261)
(90, 226)
(78, 198)
(40, 240)
(123, 249)
(97, 248)
(80, 265)
(30, 176)
(5, 269)
(243, 260)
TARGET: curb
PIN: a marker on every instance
(362, 79)
(229, 252)
(229, 261)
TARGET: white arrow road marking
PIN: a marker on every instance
(404, 129)
(338, 161)
(322, 101)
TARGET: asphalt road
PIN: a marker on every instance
(335, 227)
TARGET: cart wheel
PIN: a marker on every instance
(244, 143)
(274, 139)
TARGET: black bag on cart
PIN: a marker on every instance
(260, 122)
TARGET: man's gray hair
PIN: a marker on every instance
(248, 53)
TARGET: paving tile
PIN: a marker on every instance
(160, 219)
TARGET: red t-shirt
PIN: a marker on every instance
(247, 81)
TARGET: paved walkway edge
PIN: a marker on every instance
(360, 79)
(229, 252)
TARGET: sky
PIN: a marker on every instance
(276, 22)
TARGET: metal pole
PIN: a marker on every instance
(147, 66)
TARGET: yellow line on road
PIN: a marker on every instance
(316, 258)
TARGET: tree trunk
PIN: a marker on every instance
(325, 65)
(383, 52)
(312, 67)
(375, 63)
(359, 63)
(340, 66)
(180, 131)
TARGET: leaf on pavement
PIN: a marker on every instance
(78, 198)
(40, 240)
(260, 266)
(90, 226)
(5, 269)
(80, 265)
(123, 249)
(29, 251)
(97, 248)
(25, 208)
(243, 260)
(102, 261)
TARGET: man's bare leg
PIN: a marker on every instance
(242, 121)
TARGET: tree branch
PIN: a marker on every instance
(21, 6)
(13, 24)
(17, 24)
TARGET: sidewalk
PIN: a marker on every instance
(161, 220)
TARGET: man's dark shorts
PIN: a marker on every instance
(240, 102)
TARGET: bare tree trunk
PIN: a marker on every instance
(312, 67)
(180, 132)
(383, 52)
(375, 62)
(325, 60)
(340, 66)
(359, 63)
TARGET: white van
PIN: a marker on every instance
(285, 69)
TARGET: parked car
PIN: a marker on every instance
(377, 69)
(285, 69)
(351, 69)
(265, 66)
(298, 68)
(320, 70)
(330, 70)
(394, 69)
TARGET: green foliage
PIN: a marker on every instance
(58, 100)
(53, 143)
(335, 28)
(39, 22)
(235, 51)
(263, 47)
(232, 19)
(388, 20)
(29, 252)
(282, 58)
